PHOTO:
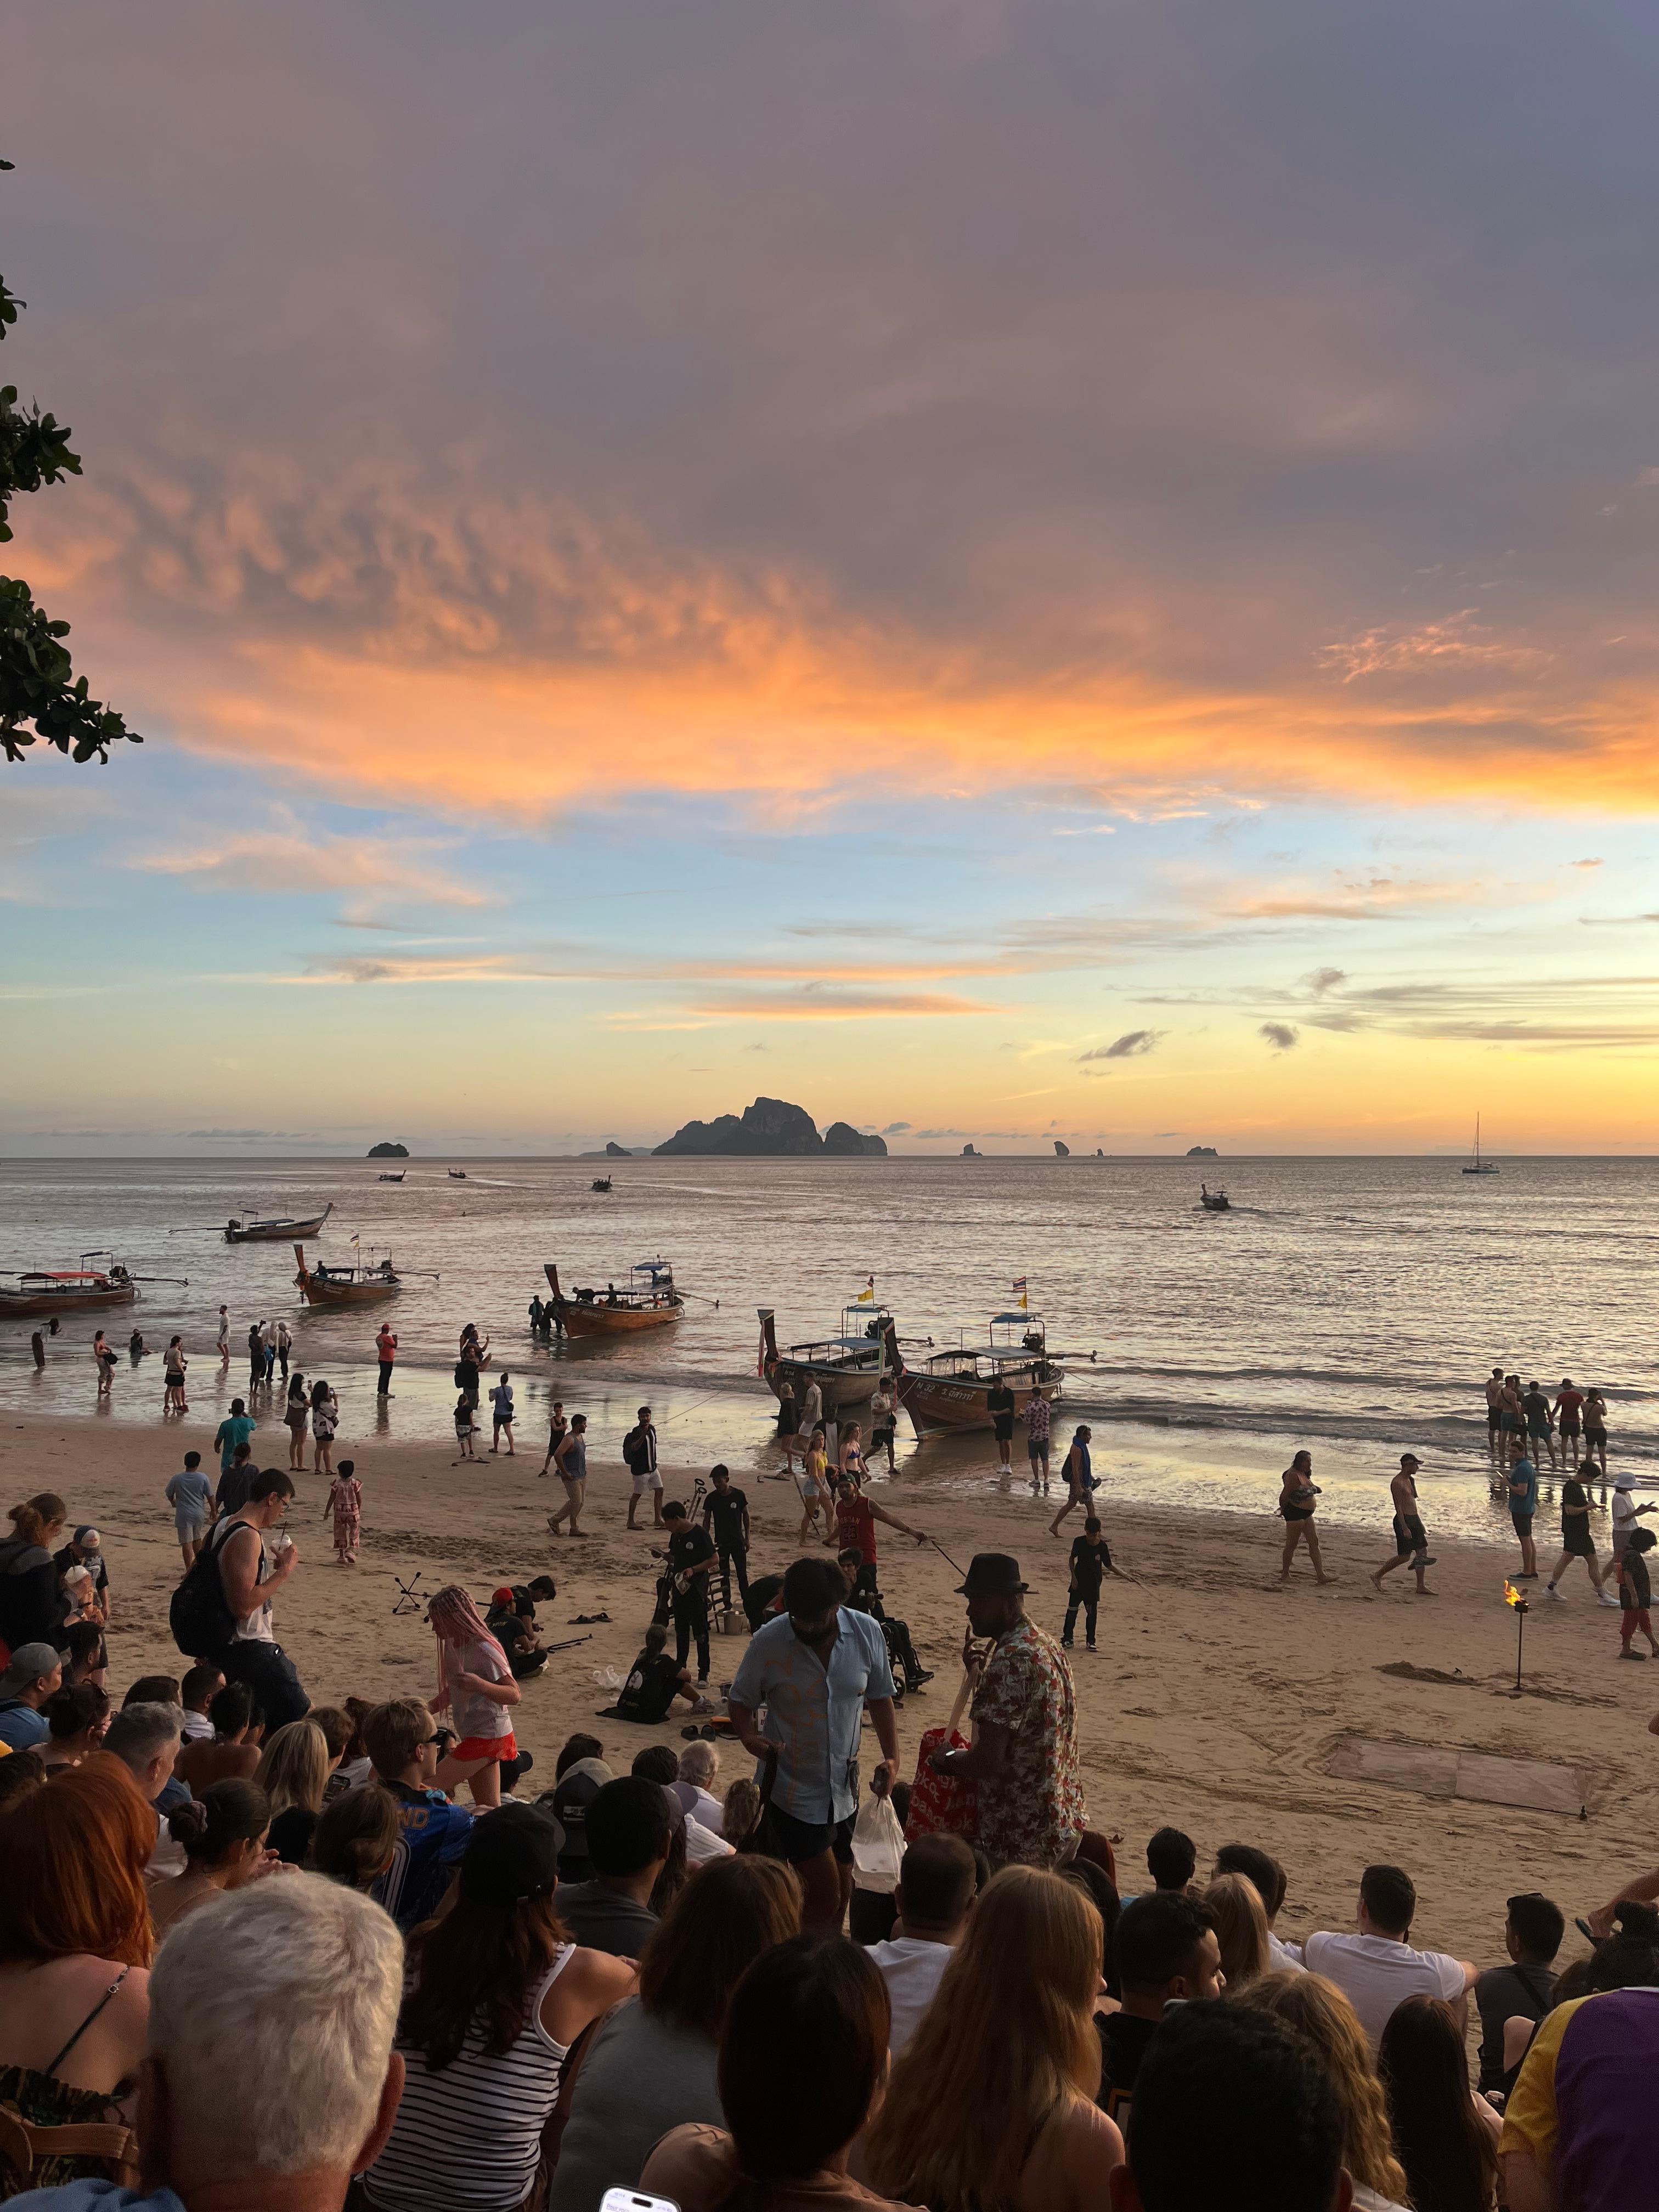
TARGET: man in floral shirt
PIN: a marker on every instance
(1024, 1762)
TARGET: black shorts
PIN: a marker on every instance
(1594, 1436)
(1494, 1419)
(1409, 1535)
(1522, 1524)
(1579, 1544)
(800, 1840)
(1005, 1428)
(1037, 1447)
(1569, 1428)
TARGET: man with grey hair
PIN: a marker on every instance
(700, 1763)
(146, 1738)
(270, 2077)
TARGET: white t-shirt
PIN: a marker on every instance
(1623, 1518)
(1375, 1973)
(911, 1969)
(1285, 1956)
(479, 1717)
(702, 1845)
(198, 1727)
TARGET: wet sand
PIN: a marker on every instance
(1219, 1700)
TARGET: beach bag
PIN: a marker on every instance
(943, 1804)
(202, 1621)
(877, 1847)
(636, 1452)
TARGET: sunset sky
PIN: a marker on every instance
(996, 570)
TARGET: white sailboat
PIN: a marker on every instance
(1477, 1165)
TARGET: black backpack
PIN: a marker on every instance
(203, 1626)
(636, 1451)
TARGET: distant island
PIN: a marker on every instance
(388, 1152)
(1202, 1152)
(1061, 1151)
(969, 1153)
(771, 1130)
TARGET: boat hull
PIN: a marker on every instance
(938, 1404)
(276, 1232)
(577, 1318)
(318, 1291)
(840, 1387)
(23, 1305)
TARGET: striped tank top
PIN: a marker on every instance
(469, 2135)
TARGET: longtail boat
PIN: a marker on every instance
(277, 1231)
(648, 1300)
(363, 1280)
(67, 1290)
(846, 1368)
(949, 1390)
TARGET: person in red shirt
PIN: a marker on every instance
(1569, 1407)
(856, 1516)
(385, 1348)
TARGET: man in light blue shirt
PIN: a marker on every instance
(815, 1668)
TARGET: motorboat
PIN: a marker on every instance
(1213, 1202)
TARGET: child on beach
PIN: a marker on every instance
(325, 1421)
(814, 1486)
(475, 1677)
(1634, 1593)
(191, 1497)
(464, 1431)
(345, 1504)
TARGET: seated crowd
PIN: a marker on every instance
(253, 1969)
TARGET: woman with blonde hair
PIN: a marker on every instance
(1241, 1927)
(1324, 2014)
(293, 1771)
(991, 2102)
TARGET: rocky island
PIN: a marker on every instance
(1202, 1152)
(771, 1130)
(388, 1152)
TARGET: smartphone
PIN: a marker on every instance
(629, 2200)
(1587, 1931)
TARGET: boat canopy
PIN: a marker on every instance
(652, 1268)
(1014, 1320)
(64, 1275)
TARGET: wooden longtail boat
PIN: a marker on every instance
(949, 1390)
(67, 1290)
(846, 1368)
(345, 1286)
(648, 1300)
(276, 1231)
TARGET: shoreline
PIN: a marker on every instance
(1218, 1700)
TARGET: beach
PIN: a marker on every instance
(1218, 1701)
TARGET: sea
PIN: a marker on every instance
(1351, 1307)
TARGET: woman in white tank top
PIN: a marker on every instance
(497, 1994)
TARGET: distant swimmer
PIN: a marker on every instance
(1296, 1495)
(1411, 1542)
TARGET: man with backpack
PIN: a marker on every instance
(222, 1609)
(639, 1457)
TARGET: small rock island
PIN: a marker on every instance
(770, 1129)
(388, 1152)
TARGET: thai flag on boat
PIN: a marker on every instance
(866, 1297)
(1019, 1292)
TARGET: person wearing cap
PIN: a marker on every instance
(568, 1800)
(1023, 1759)
(36, 1673)
(1411, 1542)
(497, 1997)
(815, 1670)
(511, 1620)
(87, 1550)
(1626, 1512)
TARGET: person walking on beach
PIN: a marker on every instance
(235, 1429)
(1523, 1506)
(1595, 1429)
(1495, 1415)
(849, 1464)
(1541, 1427)
(1079, 1474)
(1296, 1495)
(1411, 1542)
(557, 1429)
(255, 1357)
(883, 1423)
(1001, 1404)
(571, 1459)
(325, 1421)
(639, 1458)
(173, 1376)
(1091, 1558)
(1626, 1512)
(344, 1506)
(385, 1350)
(223, 1339)
(191, 1497)
(1578, 1543)
(1038, 1422)
(1636, 1593)
(500, 1415)
(251, 1570)
(103, 1354)
(296, 1413)
(268, 1342)
(474, 1675)
(815, 1487)
(464, 1430)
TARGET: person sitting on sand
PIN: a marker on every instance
(1411, 1542)
(511, 1620)
(1377, 1966)
(222, 1833)
(1296, 1496)
(654, 1680)
(1166, 1952)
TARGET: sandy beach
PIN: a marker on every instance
(1219, 1701)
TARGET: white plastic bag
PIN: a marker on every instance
(607, 1678)
(877, 1847)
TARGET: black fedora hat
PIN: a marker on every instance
(993, 1574)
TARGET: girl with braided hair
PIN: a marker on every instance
(475, 1677)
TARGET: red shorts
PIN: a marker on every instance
(484, 1747)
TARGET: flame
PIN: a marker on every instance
(1512, 1596)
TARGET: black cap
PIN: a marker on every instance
(993, 1574)
(512, 1856)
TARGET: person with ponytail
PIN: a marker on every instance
(497, 1994)
(813, 2011)
(28, 1575)
(475, 1677)
(223, 1833)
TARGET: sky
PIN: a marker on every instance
(1000, 572)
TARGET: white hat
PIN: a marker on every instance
(1625, 1482)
